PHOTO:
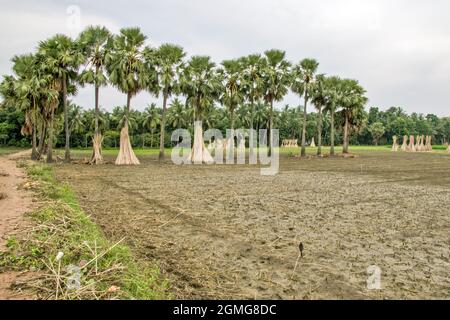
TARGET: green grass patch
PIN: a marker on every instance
(9, 150)
(90, 266)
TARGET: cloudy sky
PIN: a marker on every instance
(398, 49)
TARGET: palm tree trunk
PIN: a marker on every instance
(151, 141)
(127, 110)
(163, 127)
(97, 110)
(66, 119)
(34, 152)
(42, 136)
(332, 131)
(319, 133)
(251, 130)
(303, 152)
(230, 149)
(345, 148)
(50, 138)
(97, 157)
(270, 128)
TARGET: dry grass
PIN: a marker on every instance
(73, 258)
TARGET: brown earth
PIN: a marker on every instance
(228, 232)
(14, 203)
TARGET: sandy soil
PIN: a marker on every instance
(14, 202)
(228, 232)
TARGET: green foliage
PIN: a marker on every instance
(241, 91)
(376, 130)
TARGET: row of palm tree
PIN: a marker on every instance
(43, 81)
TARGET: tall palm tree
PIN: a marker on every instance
(152, 119)
(261, 115)
(127, 72)
(95, 44)
(25, 91)
(232, 95)
(253, 84)
(176, 115)
(25, 94)
(333, 96)
(352, 101)
(319, 101)
(276, 81)
(169, 63)
(62, 59)
(200, 83)
(76, 124)
(302, 83)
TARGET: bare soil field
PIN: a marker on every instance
(228, 232)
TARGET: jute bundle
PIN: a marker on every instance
(422, 145)
(411, 146)
(199, 154)
(126, 155)
(394, 144)
(97, 157)
(405, 143)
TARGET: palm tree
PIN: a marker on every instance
(333, 96)
(261, 115)
(276, 81)
(152, 119)
(244, 116)
(352, 100)
(95, 43)
(319, 101)
(62, 59)
(49, 98)
(127, 71)
(232, 95)
(76, 124)
(199, 82)
(25, 91)
(176, 115)
(303, 81)
(22, 92)
(169, 63)
(252, 78)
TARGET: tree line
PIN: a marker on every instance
(241, 92)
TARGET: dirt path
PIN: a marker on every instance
(14, 202)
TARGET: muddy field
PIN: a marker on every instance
(228, 232)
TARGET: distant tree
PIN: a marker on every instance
(276, 79)
(169, 63)
(95, 44)
(377, 131)
(304, 74)
(62, 59)
(127, 71)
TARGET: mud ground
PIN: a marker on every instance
(228, 232)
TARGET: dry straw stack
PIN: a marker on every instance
(420, 143)
(395, 145)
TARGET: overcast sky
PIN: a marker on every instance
(398, 49)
